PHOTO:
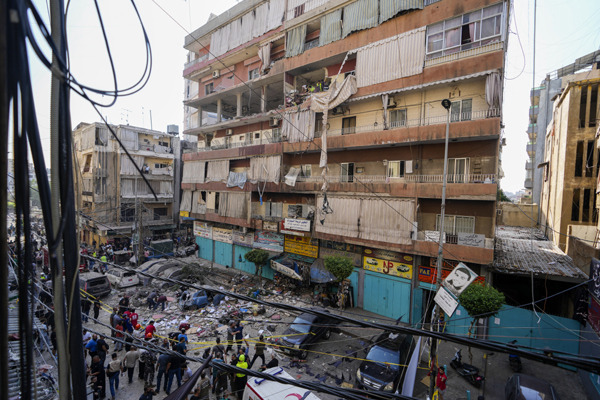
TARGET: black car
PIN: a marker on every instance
(526, 387)
(304, 331)
(385, 362)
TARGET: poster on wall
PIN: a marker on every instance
(222, 235)
(401, 269)
(270, 241)
(459, 279)
(297, 224)
(429, 275)
(202, 229)
(303, 246)
(594, 284)
(243, 239)
(446, 301)
(270, 226)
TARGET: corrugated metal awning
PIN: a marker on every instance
(417, 87)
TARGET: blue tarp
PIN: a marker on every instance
(318, 273)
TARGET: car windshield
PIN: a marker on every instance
(381, 356)
(301, 325)
(533, 394)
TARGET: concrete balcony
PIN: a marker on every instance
(531, 150)
(528, 165)
(528, 184)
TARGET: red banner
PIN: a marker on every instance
(429, 274)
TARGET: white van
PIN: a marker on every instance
(263, 389)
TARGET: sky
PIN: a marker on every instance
(565, 30)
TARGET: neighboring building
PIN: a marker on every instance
(540, 115)
(256, 180)
(571, 159)
(112, 196)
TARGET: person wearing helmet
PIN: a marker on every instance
(241, 378)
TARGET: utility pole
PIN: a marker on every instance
(433, 354)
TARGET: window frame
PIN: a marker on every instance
(253, 73)
(346, 177)
(209, 88)
(398, 123)
(453, 220)
(401, 168)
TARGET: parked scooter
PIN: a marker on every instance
(514, 360)
(467, 371)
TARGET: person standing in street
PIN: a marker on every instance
(123, 304)
(113, 371)
(130, 360)
(162, 301)
(259, 351)
(97, 371)
(152, 300)
(96, 310)
(148, 393)
(230, 334)
(161, 368)
(440, 382)
(174, 370)
(86, 305)
(240, 378)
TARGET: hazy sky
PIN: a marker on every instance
(566, 30)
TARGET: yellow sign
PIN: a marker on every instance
(394, 268)
(184, 214)
(303, 246)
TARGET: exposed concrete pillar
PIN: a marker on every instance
(238, 112)
(219, 109)
(199, 116)
(263, 100)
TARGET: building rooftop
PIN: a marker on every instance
(522, 251)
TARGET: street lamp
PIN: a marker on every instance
(447, 104)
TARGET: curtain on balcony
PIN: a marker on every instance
(331, 27)
(129, 138)
(233, 205)
(248, 27)
(264, 53)
(261, 14)
(362, 14)
(298, 126)
(219, 41)
(127, 187)
(389, 8)
(264, 169)
(335, 96)
(193, 172)
(493, 91)
(217, 171)
(389, 220)
(166, 188)
(391, 58)
(198, 205)
(275, 16)
(186, 201)
(127, 167)
(295, 41)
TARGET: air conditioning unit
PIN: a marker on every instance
(273, 123)
(391, 102)
(216, 73)
(337, 110)
(229, 132)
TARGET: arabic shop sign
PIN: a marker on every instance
(303, 246)
(202, 229)
(223, 235)
(396, 264)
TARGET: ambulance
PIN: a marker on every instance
(263, 389)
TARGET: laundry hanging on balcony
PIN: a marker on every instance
(292, 175)
(493, 91)
(298, 126)
(391, 58)
(236, 179)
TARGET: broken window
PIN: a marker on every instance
(88, 163)
(253, 74)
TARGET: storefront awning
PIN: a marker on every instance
(320, 274)
(286, 267)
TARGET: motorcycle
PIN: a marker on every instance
(514, 360)
(467, 371)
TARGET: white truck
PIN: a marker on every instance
(263, 389)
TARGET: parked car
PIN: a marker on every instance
(263, 389)
(95, 284)
(120, 278)
(527, 387)
(305, 330)
(382, 369)
(198, 300)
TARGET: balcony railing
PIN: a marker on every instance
(407, 123)
(196, 61)
(155, 148)
(452, 178)
(245, 143)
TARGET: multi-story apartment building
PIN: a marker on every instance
(540, 115)
(112, 196)
(571, 158)
(328, 137)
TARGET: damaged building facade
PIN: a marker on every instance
(112, 195)
(321, 132)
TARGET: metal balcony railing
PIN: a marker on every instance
(232, 145)
(452, 178)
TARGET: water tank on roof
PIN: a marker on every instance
(173, 129)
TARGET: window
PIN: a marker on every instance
(458, 170)
(461, 110)
(465, 32)
(579, 158)
(256, 135)
(347, 172)
(160, 212)
(455, 224)
(585, 215)
(217, 195)
(348, 125)
(253, 74)
(299, 10)
(275, 135)
(88, 163)
(575, 205)
(582, 106)
(589, 159)
(273, 209)
(593, 106)
(395, 169)
(398, 118)
(157, 165)
(306, 170)
(163, 143)
(208, 89)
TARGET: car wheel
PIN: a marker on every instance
(327, 334)
(304, 354)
